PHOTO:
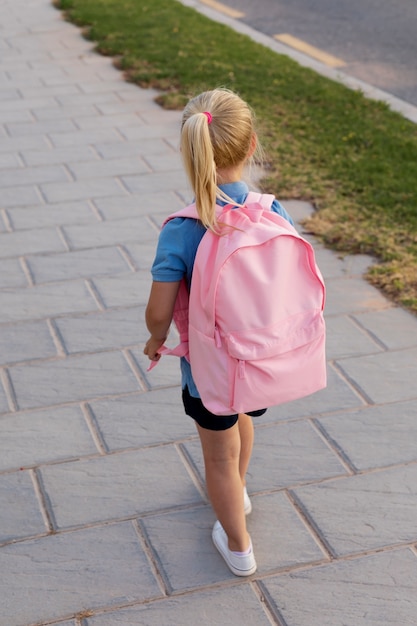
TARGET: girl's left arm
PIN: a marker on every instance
(158, 315)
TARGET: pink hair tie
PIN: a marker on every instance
(208, 116)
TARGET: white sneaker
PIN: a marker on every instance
(246, 502)
(240, 565)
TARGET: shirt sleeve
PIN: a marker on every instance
(169, 264)
(278, 208)
(176, 250)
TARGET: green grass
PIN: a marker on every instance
(353, 158)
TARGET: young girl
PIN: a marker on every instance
(217, 140)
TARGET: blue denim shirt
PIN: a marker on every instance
(176, 250)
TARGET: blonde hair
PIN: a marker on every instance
(220, 140)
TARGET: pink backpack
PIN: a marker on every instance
(252, 326)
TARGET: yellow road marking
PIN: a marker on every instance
(218, 6)
(302, 46)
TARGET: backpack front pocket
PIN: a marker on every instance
(279, 363)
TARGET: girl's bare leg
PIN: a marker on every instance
(246, 432)
(222, 451)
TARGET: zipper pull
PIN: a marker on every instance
(217, 337)
(241, 369)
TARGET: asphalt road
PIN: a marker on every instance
(375, 39)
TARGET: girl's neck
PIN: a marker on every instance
(230, 175)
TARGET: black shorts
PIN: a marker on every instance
(204, 418)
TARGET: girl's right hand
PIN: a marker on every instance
(151, 348)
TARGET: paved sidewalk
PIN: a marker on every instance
(104, 518)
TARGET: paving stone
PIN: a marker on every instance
(32, 175)
(72, 379)
(79, 264)
(19, 196)
(26, 341)
(364, 512)
(166, 374)
(118, 485)
(64, 574)
(4, 405)
(143, 99)
(128, 93)
(20, 513)
(293, 543)
(95, 121)
(192, 529)
(333, 266)
(396, 368)
(236, 605)
(113, 83)
(94, 188)
(395, 327)
(99, 331)
(344, 339)
(35, 93)
(370, 591)
(8, 160)
(109, 167)
(165, 163)
(298, 209)
(35, 437)
(15, 115)
(12, 274)
(352, 295)
(376, 436)
(81, 99)
(337, 394)
(193, 548)
(144, 147)
(143, 419)
(85, 138)
(25, 129)
(284, 454)
(277, 453)
(153, 115)
(125, 289)
(142, 254)
(167, 181)
(59, 112)
(143, 204)
(96, 73)
(136, 228)
(45, 301)
(42, 216)
(30, 242)
(16, 81)
(58, 155)
(8, 94)
(150, 131)
(27, 101)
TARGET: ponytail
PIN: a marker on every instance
(200, 167)
(217, 130)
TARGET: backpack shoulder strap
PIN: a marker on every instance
(264, 199)
(188, 211)
(191, 212)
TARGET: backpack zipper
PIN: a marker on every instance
(241, 366)
(217, 337)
